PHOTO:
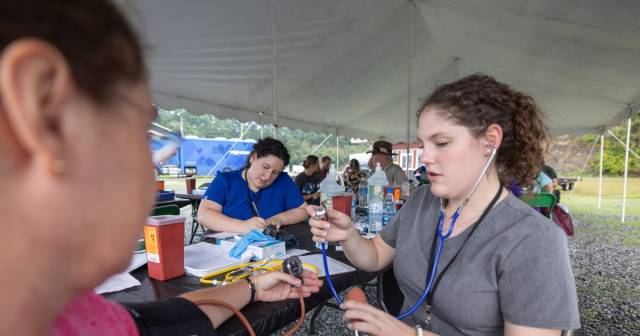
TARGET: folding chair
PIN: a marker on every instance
(166, 210)
(540, 200)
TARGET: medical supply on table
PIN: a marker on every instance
(294, 267)
(204, 258)
(164, 242)
(166, 195)
(376, 205)
(321, 214)
(255, 244)
(376, 183)
(388, 209)
(329, 187)
(353, 203)
(394, 190)
(363, 193)
(228, 275)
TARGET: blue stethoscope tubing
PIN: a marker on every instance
(441, 238)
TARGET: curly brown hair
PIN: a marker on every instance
(478, 101)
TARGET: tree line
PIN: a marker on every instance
(300, 143)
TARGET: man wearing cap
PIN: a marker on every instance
(382, 153)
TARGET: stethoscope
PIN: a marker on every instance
(442, 236)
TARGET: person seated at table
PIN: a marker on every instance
(324, 168)
(74, 112)
(502, 268)
(308, 181)
(352, 176)
(542, 183)
(554, 178)
(255, 196)
(382, 153)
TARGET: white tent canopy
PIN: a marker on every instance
(343, 64)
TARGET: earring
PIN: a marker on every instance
(57, 166)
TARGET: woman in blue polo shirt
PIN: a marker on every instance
(255, 196)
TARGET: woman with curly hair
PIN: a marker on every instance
(495, 266)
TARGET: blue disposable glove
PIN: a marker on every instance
(252, 237)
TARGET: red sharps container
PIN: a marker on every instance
(342, 203)
(164, 240)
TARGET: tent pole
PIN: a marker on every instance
(409, 82)
(600, 179)
(337, 152)
(622, 143)
(261, 125)
(626, 167)
(321, 143)
(274, 69)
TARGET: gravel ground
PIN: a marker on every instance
(606, 264)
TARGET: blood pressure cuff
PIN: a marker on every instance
(176, 316)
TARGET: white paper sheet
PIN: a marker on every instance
(222, 235)
(295, 252)
(117, 282)
(203, 258)
(124, 280)
(335, 267)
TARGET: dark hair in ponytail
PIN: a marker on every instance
(478, 101)
(310, 161)
(269, 146)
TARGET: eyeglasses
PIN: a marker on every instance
(163, 142)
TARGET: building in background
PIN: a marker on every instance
(410, 161)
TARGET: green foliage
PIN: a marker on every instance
(300, 143)
(614, 151)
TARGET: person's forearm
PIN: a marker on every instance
(237, 294)
(361, 252)
(217, 221)
(293, 216)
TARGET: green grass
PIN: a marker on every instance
(584, 199)
(179, 185)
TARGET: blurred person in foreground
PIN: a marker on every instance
(74, 112)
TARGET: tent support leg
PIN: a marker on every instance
(626, 169)
(600, 179)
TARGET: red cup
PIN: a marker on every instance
(191, 184)
(160, 185)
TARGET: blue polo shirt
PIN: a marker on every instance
(232, 192)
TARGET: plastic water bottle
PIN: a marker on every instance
(329, 187)
(376, 184)
(353, 203)
(375, 211)
(363, 193)
(388, 209)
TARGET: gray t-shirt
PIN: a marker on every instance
(515, 267)
(395, 175)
